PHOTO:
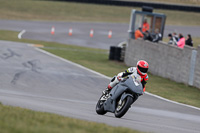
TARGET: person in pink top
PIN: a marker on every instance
(181, 42)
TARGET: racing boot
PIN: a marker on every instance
(106, 91)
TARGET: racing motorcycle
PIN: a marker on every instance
(121, 97)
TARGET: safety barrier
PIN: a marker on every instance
(180, 65)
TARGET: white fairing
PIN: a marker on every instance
(136, 79)
(132, 70)
(116, 81)
(120, 74)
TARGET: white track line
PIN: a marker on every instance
(65, 60)
(21, 33)
(190, 106)
(159, 97)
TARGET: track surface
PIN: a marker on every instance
(40, 30)
(39, 81)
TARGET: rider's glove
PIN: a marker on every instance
(119, 78)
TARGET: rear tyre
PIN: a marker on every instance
(123, 107)
(99, 107)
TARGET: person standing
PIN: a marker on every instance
(172, 39)
(175, 36)
(181, 42)
(145, 26)
(157, 36)
(189, 41)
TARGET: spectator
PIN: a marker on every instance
(181, 42)
(147, 36)
(138, 34)
(189, 41)
(157, 37)
(145, 26)
(175, 36)
(172, 39)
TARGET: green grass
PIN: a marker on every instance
(18, 120)
(69, 11)
(97, 59)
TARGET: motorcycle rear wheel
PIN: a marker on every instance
(99, 107)
(122, 108)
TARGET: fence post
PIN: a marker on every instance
(192, 67)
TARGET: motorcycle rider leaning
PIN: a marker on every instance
(140, 69)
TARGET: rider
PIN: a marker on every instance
(140, 69)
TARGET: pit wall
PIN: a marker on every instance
(166, 60)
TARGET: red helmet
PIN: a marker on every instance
(142, 67)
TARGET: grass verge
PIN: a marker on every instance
(70, 11)
(18, 120)
(97, 60)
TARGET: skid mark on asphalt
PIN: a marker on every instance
(8, 54)
(17, 76)
(33, 65)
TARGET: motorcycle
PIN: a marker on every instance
(121, 97)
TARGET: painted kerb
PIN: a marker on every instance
(165, 60)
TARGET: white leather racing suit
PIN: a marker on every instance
(132, 70)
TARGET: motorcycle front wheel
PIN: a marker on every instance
(123, 106)
(99, 107)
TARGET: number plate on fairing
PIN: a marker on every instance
(136, 79)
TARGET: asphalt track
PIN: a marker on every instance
(41, 30)
(37, 80)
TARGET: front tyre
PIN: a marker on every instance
(123, 106)
(99, 107)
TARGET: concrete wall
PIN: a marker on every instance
(164, 60)
(197, 69)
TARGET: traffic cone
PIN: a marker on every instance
(52, 30)
(110, 34)
(70, 31)
(91, 33)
